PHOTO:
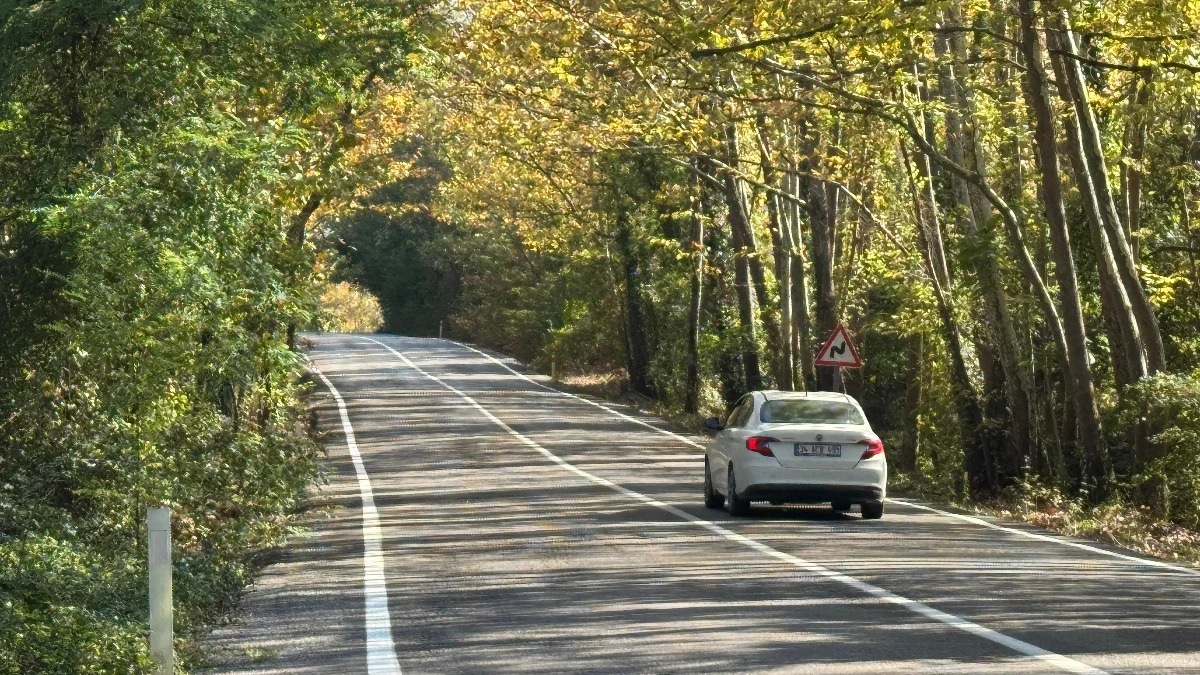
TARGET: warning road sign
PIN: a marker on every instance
(838, 350)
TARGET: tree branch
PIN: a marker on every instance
(765, 42)
(1141, 70)
(1174, 249)
(755, 182)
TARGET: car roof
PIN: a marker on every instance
(777, 395)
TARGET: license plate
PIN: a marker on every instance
(818, 449)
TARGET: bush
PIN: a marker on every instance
(73, 586)
(348, 308)
(159, 164)
(1169, 404)
(65, 609)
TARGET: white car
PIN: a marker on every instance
(797, 447)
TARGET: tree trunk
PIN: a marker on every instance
(779, 368)
(911, 441)
(802, 332)
(745, 296)
(781, 248)
(823, 229)
(1188, 204)
(637, 351)
(691, 403)
(1131, 171)
(738, 225)
(1055, 461)
(973, 213)
(298, 228)
(1014, 229)
(978, 446)
(1069, 438)
(1193, 240)
(740, 220)
(1079, 374)
(1125, 343)
(296, 236)
(966, 400)
(1090, 135)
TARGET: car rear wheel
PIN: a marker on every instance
(712, 498)
(872, 510)
(734, 505)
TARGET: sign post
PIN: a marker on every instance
(162, 624)
(838, 351)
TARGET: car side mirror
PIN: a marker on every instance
(713, 424)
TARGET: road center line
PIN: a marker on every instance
(1050, 658)
(628, 418)
(969, 519)
(381, 650)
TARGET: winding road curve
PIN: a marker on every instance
(478, 520)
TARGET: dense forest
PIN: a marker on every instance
(160, 165)
(999, 200)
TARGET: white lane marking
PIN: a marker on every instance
(969, 519)
(618, 413)
(381, 650)
(1055, 540)
(1050, 658)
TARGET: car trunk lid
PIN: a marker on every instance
(816, 446)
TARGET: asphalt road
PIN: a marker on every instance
(494, 525)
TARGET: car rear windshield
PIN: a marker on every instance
(799, 411)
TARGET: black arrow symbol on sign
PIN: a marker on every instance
(837, 351)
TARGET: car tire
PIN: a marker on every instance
(872, 510)
(841, 507)
(734, 505)
(712, 498)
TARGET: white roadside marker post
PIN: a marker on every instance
(162, 628)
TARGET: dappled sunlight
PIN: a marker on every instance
(499, 561)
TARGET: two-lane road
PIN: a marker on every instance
(483, 522)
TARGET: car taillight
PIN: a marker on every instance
(874, 448)
(760, 445)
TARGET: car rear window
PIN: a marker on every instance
(809, 412)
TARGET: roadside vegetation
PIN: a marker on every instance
(160, 164)
(999, 200)
(346, 308)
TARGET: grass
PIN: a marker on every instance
(1115, 522)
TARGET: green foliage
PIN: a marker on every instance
(347, 308)
(67, 609)
(390, 245)
(1169, 405)
(152, 157)
(588, 339)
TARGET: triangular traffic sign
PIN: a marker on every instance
(838, 350)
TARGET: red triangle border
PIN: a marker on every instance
(841, 328)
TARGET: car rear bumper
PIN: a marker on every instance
(761, 481)
(811, 494)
